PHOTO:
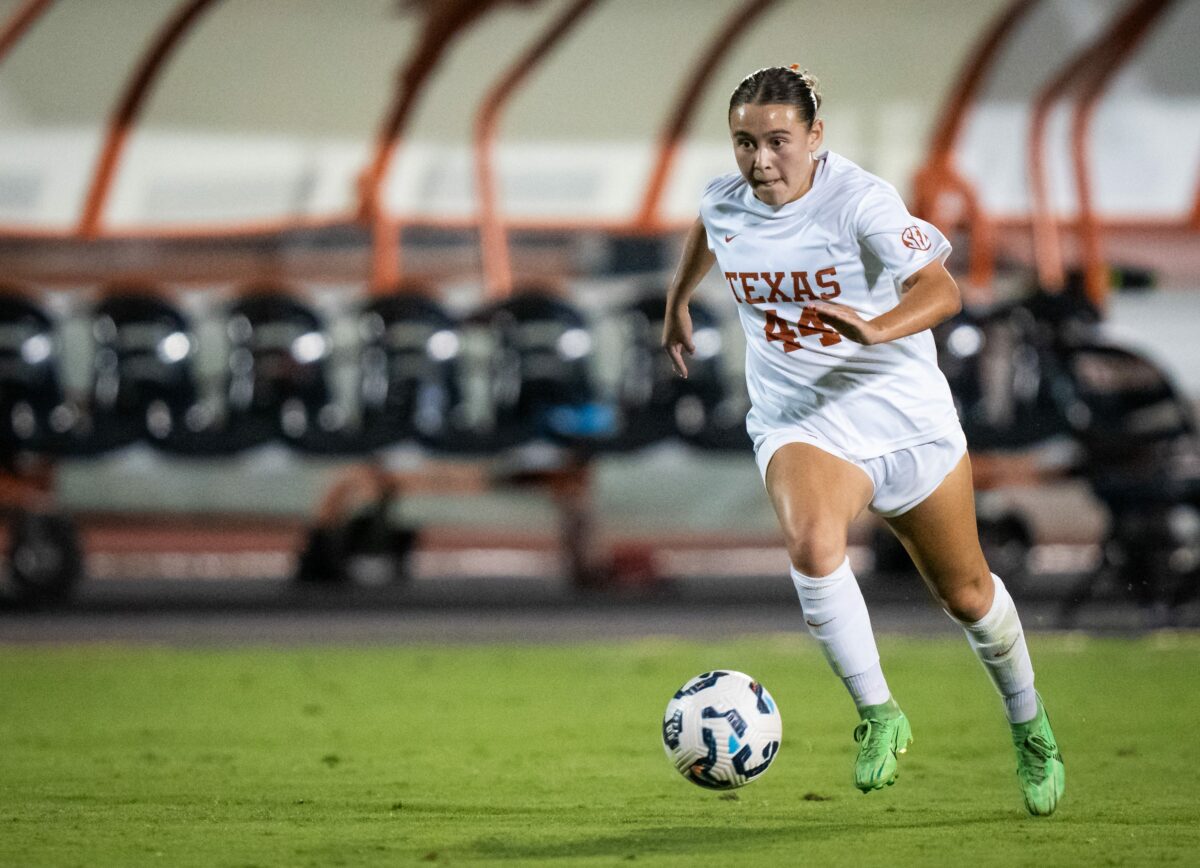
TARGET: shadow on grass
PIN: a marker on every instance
(682, 839)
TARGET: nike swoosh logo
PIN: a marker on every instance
(1011, 645)
(729, 238)
(811, 624)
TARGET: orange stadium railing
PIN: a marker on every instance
(938, 185)
(1196, 208)
(1093, 61)
(440, 29)
(125, 116)
(442, 25)
(118, 128)
(493, 238)
(938, 176)
(688, 101)
(1095, 270)
(20, 22)
(647, 219)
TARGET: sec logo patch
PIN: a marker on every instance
(914, 238)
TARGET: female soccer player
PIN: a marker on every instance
(837, 286)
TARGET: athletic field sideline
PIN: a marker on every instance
(551, 754)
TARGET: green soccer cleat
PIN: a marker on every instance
(882, 734)
(1039, 764)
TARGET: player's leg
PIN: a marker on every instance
(941, 536)
(816, 495)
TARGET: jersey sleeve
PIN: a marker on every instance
(710, 191)
(903, 243)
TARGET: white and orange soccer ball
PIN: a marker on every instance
(722, 729)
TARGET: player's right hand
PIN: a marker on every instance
(677, 339)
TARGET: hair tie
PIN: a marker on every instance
(795, 68)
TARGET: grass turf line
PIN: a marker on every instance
(524, 755)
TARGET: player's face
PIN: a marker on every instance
(774, 150)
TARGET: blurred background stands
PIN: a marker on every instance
(298, 289)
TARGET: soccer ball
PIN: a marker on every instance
(722, 730)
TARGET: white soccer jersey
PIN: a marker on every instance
(849, 239)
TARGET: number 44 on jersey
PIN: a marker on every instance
(776, 328)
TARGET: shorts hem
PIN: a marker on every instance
(769, 444)
(784, 436)
(910, 505)
(788, 437)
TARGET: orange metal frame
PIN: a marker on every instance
(385, 267)
(687, 103)
(125, 116)
(443, 24)
(1196, 209)
(1091, 62)
(1086, 75)
(494, 229)
(493, 238)
(440, 29)
(935, 180)
(938, 176)
(1095, 272)
(20, 22)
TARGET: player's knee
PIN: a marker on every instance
(970, 599)
(815, 548)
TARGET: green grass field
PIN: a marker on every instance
(523, 755)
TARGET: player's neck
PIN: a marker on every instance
(807, 186)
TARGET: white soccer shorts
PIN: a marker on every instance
(902, 479)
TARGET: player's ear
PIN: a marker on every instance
(816, 135)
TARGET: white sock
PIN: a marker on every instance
(999, 643)
(836, 615)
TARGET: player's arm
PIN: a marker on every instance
(697, 259)
(930, 297)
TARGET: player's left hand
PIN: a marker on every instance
(846, 322)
